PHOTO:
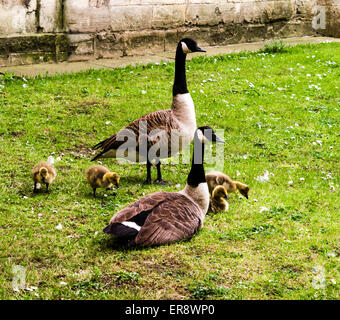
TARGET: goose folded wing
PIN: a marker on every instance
(141, 206)
(133, 133)
(174, 219)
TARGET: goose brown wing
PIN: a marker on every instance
(160, 120)
(175, 218)
(143, 205)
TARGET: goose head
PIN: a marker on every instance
(43, 172)
(189, 45)
(202, 135)
(219, 193)
(206, 133)
(112, 178)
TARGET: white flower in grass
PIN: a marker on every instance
(302, 179)
(308, 98)
(262, 209)
(63, 283)
(107, 122)
(332, 281)
(264, 177)
(25, 197)
(290, 182)
(59, 227)
(143, 91)
(251, 85)
(24, 85)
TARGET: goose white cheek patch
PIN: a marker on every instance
(185, 48)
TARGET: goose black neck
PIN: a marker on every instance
(180, 83)
(197, 175)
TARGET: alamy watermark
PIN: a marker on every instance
(19, 278)
(319, 19)
(168, 146)
(319, 279)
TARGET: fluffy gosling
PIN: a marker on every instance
(101, 177)
(43, 172)
(219, 178)
(218, 199)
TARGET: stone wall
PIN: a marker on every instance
(57, 30)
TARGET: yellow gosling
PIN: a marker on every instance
(43, 172)
(218, 199)
(101, 177)
(219, 178)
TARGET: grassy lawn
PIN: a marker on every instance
(280, 113)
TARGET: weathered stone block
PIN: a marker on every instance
(81, 46)
(109, 45)
(137, 42)
(50, 16)
(80, 18)
(203, 14)
(130, 17)
(168, 16)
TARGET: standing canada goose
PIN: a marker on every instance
(219, 178)
(43, 172)
(164, 217)
(167, 131)
(101, 177)
(218, 200)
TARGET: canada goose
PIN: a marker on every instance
(218, 200)
(43, 172)
(164, 217)
(219, 178)
(167, 131)
(101, 177)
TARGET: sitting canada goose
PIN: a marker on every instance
(218, 200)
(43, 172)
(165, 217)
(101, 177)
(159, 134)
(219, 178)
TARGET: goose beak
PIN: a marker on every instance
(218, 139)
(199, 49)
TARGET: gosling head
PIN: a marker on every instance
(220, 192)
(43, 174)
(190, 45)
(112, 178)
(244, 190)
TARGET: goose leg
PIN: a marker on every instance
(47, 187)
(148, 175)
(94, 192)
(159, 174)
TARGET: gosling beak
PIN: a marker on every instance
(246, 196)
(43, 180)
(199, 49)
(117, 184)
(227, 197)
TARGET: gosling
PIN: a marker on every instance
(219, 178)
(43, 172)
(218, 199)
(101, 177)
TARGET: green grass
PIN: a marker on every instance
(280, 112)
